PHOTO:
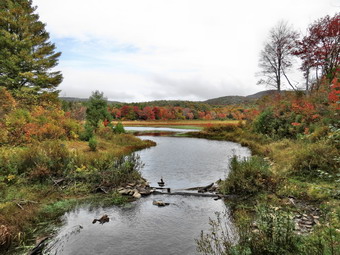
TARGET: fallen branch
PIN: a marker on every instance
(19, 205)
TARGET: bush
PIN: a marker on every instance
(271, 233)
(266, 122)
(43, 160)
(93, 144)
(107, 171)
(313, 159)
(223, 128)
(119, 128)
(248, 176)
(87, 133)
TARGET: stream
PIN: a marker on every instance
(142, 228)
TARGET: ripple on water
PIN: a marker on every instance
(147, 229)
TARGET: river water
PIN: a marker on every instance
(142, 228)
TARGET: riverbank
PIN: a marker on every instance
(302, 206)
(63, 173)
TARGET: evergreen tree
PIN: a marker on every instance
(96, 110)
(26, 54)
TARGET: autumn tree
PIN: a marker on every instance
(276, 57)
(26, 54)
(319, 50)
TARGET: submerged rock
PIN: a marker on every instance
(160, 203)
(105, 218)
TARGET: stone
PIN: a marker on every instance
(308, 223)
(145, 192)
(124, 191)
(159, 203)
(297, 227)
(317, 222)
(137, 195)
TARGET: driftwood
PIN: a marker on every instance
(39, 246)
(202, 189)
(24, 202)
(100, 189)
(197, 194)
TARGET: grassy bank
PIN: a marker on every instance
(283, 180)
(41, 181)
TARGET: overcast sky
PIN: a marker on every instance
(142, 50)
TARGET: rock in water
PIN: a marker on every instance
(102, 219)
(160, 203)
(137, 195)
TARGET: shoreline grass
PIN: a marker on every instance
(27, 203)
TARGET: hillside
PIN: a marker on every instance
(226, 100)
(229, 100)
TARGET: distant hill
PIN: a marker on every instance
(78, 99)
(73, 99)
(228, 100)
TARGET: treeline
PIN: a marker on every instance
(147, 111)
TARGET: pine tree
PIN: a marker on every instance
(96, 110)
(26, 54)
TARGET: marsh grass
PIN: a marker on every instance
(28, 195)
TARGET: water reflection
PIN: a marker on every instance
(143, 228)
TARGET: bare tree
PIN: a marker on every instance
(276, 57)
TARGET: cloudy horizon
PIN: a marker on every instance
(148, 50)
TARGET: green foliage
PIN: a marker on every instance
(248, 176)
(26, 55)
(42, 161)
(229, 127)
(266, 123)
(272, 233)
(96, 110)
(87, 133)
(316, 160)
(57, 209)
(119, 128)
(93, 143)
(106, 171)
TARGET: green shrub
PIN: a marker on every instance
(107, 171)
(319, 133)
(266, 122)
(248, 176)
(119, 128)
(93, 144)
(87, 133)
(43, 160)
(313, 159)
(223, 128)
(271, 233)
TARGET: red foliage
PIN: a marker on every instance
(320, 49)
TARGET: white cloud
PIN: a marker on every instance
(135, 50)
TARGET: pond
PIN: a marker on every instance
(141, 227)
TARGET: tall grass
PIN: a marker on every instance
(248, 176)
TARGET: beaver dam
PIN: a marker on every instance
(143, 228)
